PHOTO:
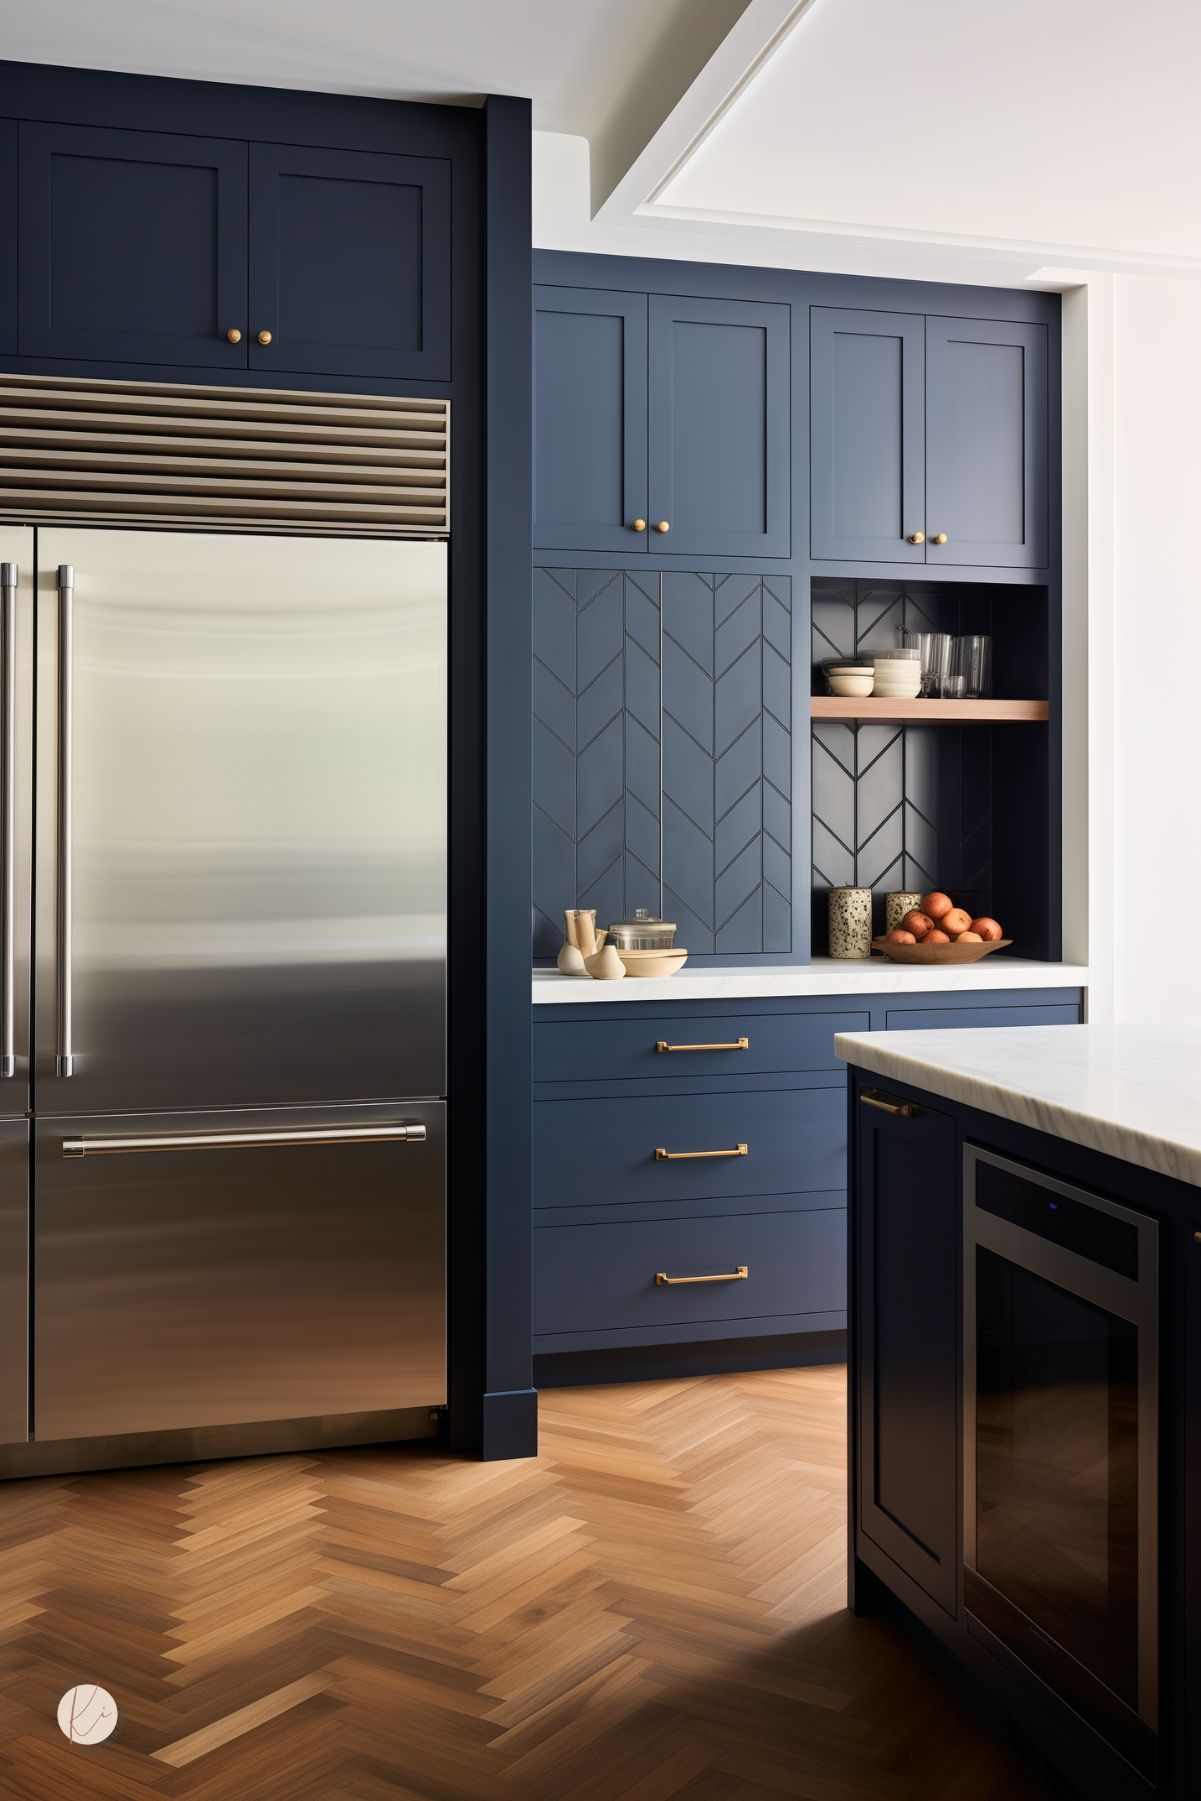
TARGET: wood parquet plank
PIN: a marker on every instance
(651, 1611)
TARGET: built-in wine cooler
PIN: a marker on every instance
(1061, 1441)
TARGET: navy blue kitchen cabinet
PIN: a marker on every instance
(987, 473)
(145, 247)
(349, 263)
(906, 1258)
(661, 424)
(727, 762)
(867, 379)
(929, 439)
(132, 246)
(589, 420)
(662, 754)
(719, 427)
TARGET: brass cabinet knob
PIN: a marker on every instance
(663, 526)
(264, 337)
(233, 335)
(917, 537)
(940, 538)
(639, 525)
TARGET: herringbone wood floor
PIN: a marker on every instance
(652, 1611)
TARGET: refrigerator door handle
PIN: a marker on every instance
(64, 949)
(243, 1141)
(10, 577)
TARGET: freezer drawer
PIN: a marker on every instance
(14, 1280)
(202, 1270)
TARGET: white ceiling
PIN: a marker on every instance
(1060, 124)
(577, 58)
(857, 134)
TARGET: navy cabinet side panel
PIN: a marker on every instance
(719, 426)
(8, 231)
(350, 262)
(132, 246)
(589, 420)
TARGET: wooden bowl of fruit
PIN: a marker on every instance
(940, 932)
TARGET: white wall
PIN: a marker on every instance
(1156, 915)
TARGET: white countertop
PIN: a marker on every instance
(1133, 1092)
(825, 975)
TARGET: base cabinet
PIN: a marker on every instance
(907, 1259)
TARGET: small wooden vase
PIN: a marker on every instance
(605, 965)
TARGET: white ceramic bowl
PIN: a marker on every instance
(852, 686)
(888, 687)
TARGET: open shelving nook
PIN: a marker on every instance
(958, 795)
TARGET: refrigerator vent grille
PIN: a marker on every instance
(164, 454)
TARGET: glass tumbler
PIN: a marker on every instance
(935, 648)
(975, 664)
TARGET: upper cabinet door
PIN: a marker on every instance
(719, 427)
(987, 469)
(8, 231)
(867, 439)
(132, 246)
(589, 420)
(349, 263)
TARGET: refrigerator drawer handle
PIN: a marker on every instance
(64, 949)
(9, 578)
(242, 1141)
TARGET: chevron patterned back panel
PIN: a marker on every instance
(894, 806)
(662, 754)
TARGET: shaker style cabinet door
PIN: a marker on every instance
(987, 455)
(590, 420)
(719, 423)
(349, 263)
(132, 246)
(866, 404)
(906, 1297)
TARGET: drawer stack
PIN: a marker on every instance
(689, 1177)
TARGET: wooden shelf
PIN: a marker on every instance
(927, 712)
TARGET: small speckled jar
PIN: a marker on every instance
(850, 922)
(897, 904)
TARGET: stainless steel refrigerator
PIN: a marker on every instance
(223, 947)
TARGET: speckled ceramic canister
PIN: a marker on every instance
(850, 922)
(897, 903)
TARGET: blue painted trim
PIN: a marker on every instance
(510, 1425)
(575, 1369)
(505, 902)
(770, 1326)
(876, 1004)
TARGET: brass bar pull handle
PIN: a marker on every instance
(663, 1280)
(735, 1044)
(662, 1156)
(905, 1109)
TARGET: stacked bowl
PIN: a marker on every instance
(898, 674)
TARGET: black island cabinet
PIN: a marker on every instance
(1025, 1423)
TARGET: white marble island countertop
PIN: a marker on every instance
(825, 975)
(1132, 1092)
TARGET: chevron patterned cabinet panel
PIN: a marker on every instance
(596, 746)
(727, 761)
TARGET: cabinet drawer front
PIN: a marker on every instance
(590, 1278)
(925, 1019)
(600, 1152)
(605, 1050)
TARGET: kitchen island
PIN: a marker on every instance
(1025, 1360)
